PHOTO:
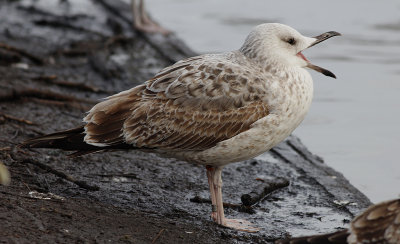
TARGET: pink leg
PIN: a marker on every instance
(210, 175)
(218, 195)
(143, 22)
(215, 182)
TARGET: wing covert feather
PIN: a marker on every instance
(191, 105)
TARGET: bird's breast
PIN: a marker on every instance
(291, 99)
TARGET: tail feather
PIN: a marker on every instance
(339, 237)
(69, 140)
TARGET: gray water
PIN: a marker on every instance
(353, 122)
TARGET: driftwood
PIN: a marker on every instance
(261, 191)
(56, 61)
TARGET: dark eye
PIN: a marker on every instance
(291, 41)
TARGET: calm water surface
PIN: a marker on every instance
(354, 120)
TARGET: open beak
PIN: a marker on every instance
(325, 36)
(319, 39)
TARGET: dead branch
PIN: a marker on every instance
(10, 117)
(157, 236)
(262, 190)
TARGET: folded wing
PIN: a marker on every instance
(191, 105)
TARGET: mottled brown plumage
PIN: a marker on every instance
(378, 224)
(191, 105)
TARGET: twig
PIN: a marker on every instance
(238, 207)
(15, 195)
(60, 174)
(26, 185)
(10, 117)
(157, 236)
(27, 197)
(32, 57)
(262, 190)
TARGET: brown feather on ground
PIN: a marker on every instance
(379, 224)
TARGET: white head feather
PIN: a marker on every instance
(281, 45)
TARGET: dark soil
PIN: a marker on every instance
(57, 60)
(80, 220)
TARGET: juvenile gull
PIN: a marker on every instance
(212, 109)
(380, 223)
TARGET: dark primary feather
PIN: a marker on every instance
(69, 140)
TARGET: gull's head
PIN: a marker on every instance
(282, 45)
